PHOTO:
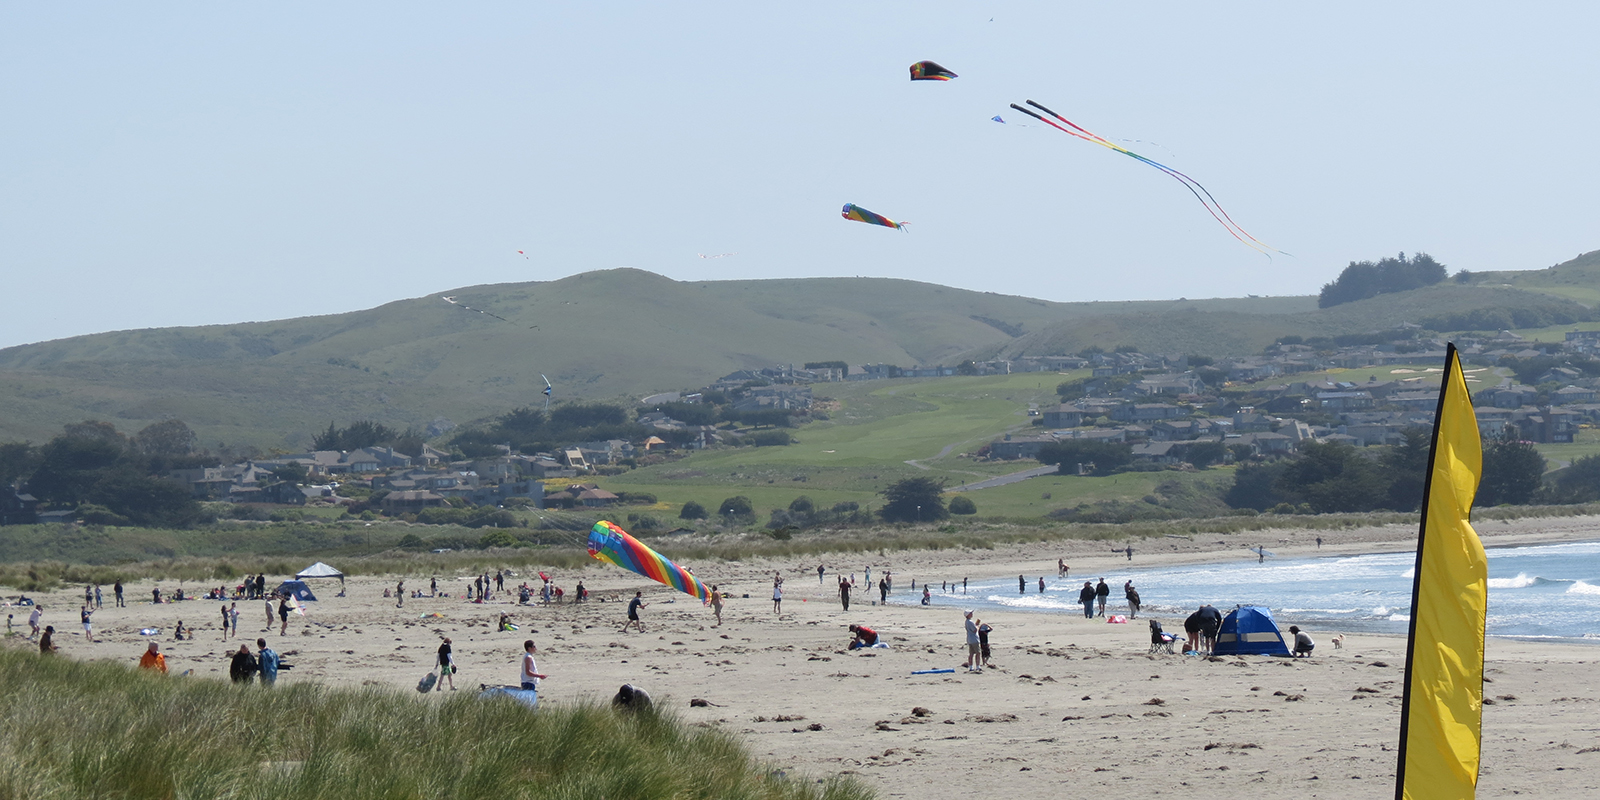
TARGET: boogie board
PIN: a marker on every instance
(426, 684)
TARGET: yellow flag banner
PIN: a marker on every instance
(1441, 718)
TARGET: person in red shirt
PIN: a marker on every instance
(864, 636)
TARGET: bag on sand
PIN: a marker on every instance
(426, 684)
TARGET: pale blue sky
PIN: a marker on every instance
(179, 164)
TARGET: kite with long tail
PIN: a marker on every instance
(1200, 192)
(613, 545)
(465, 307)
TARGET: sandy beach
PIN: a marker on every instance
(1067, 702)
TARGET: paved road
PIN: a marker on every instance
(1005, 479)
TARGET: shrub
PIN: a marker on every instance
(963, 505)
(693, 510)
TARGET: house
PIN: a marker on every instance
(1419, 400)
(1147, 412)
(1267, 443)
(1568, 395)
(205, 483)
(1513, 396)
(1063, 416)
(1344, 401)
(1101, 435)
(284, 493)
(1011, 447)
(66, 517)
(18, 508)
(581, 494)
(411, 501)
(1559, 375)
(1549, 425)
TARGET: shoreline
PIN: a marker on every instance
(1065, 703)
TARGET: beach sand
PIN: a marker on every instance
(1068, 702)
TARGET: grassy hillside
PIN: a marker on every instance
(627, 333)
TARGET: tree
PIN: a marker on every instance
(963, 505)
(17, 461)
(1512, 473)
(914, 500)
(1579, 483)
(166, 438)
(736, 506)
(1256, 486)
(802, 505)
(1406, 465)
(1333, 477)
(70, 465)
(693, 510)
(293, 472)
(1365, 279)
(1204, 454)
(1107, 457)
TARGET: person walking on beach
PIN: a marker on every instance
(1061, 568)
(47, 643)
(447, 666)
(269, 662)
(152, 659)
(33, 621)
(716, 604)
(1101, 593)
(400, 594)
(116, 590)
(974, 645)
(244, 666)
(844, 594)
(819, 574)
(283, 616)
(883, 590)
(88, 631)
(1319, 542)
(1086, 597)
(1133, 599)
(530, 671)
(271, 617)
(500, 580)
(633, 612)
(777, 594)
(1041, 584)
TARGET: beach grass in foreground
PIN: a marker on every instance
(76, 729)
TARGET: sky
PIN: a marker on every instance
(200, 163)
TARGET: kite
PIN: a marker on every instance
(929, 71)
(548, 390)
(1200, 192)
(459, 304)
(523, 254)
(611, 544)
(859, 214)
(997, 118)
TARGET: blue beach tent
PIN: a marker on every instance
(1250, 631)
(298, 590)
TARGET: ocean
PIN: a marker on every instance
(1536, 592)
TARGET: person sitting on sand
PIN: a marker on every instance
(152, 659)
(863, 637)
(631, 698)
(47, 644)
(1302, 642)
(505, 622)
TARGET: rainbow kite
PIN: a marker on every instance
(859, 214)
(929, 71)
(613, 545)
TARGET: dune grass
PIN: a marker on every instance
(76, 729)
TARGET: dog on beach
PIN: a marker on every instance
(1338, 642)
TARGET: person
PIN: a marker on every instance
(983, 640)
(1061, 568)
(974, 645)
(581, 594)
(477, 583)
(283, 616)
(116, 590)
(271, 616)
(85, 613)
(716, 603)
(99, 598)
(1319, 542)
(1041, 585)
(1129, 551)
(633, 612)
(505, 622)
(1261, 555)
(447, 666)
(927, 596)
(777, 594)
(47, 643)
(1101, 593)
(88, 595)
(963, 585)
(844, 594)
(33, 621)
(499, 580)
(862, 636)
(155, 595)
(244, 666)
(883, 590)
(1086, 597)
(1022, 585)
(224, 623)
(1302, 642)
(867, 575)
(261, 589)
(179, 632)
(631, 698)
(400, 594)
(269, 662)
(1191, 627)
(1133, 599)
(530, 670)
(433, 586)
(1202, 627)
(153, 659)
(888, 578)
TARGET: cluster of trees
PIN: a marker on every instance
(909, 500)
(1335, 477)
(110, 478)
(1364, 279)
(366, 433)
(531, 430)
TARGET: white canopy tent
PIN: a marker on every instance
(321, 570)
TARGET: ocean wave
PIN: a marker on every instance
(1399, 617)
(1522, 581)
(1579, 587)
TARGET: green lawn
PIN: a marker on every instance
(1559, 455)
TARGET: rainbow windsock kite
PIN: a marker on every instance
(854, 212)
(613, 545)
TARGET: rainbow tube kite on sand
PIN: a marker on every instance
(613, 545)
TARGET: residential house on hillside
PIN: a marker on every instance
(1014, 447)
(587, 495)
(1147, 412)
(1512, 396)
(1567, 395)
(411, 501)
(1063, 416)
(1419, 400)
(18, 508)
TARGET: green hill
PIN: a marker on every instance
(626, 333)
